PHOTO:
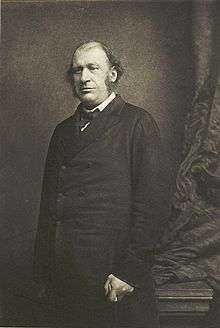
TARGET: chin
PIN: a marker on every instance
(89, 100)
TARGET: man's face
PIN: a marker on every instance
(92, 75)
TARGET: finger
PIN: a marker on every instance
(123, 290)
(112, 296)
(127, 289)
(121, 295)
(106, 291)
(107, 287)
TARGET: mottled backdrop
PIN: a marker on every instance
(153, 40)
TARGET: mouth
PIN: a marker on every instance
(86, 89)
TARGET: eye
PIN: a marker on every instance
(93, 67)
(76, 70)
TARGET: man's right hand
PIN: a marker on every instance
(116, 289)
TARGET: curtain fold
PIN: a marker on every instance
(190, 248)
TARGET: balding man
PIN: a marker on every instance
(101, 200)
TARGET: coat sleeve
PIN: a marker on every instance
(148, 203)
(45, 236)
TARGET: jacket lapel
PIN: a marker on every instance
(75, 141)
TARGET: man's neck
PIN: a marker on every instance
(104, 103)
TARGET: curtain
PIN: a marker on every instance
(190, 248)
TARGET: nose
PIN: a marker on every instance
(85, 76)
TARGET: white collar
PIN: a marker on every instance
(104, 103)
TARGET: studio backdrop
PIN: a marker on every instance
(154, 41)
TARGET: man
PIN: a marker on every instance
(101, 201)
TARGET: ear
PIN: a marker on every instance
(113, 74)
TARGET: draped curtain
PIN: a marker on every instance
(190, 248)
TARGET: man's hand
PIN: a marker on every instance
(116, 289)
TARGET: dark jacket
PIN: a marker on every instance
(101, 206)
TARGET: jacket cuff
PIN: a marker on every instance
(136, 274)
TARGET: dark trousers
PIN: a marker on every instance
(84, 313)
(80, 312)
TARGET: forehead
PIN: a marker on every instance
(89, 55)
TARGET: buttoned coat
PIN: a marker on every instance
(101, 209)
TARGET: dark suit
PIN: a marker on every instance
(100, 213)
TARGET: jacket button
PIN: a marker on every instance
(59, 197)
(63, 167)
(57, 222)
(81, 193)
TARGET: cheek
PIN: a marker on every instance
(103, 81)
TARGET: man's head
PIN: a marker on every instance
(94, 71)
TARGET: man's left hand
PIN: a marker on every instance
(116, 289)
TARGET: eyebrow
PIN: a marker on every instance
(89, 64)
